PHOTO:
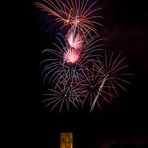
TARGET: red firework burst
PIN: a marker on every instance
(71, 56)
(75, 40)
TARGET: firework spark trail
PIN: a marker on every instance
(68, 61)
(90, 82)
(97, 96)
(63, 95)
(93, 83)
(74, 67)
(75, 14)
(113, 68)
(107, 74)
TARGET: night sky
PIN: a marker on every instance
(126, 26)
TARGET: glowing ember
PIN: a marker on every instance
(71, 56)
(75, 41)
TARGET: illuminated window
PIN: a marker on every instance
(66, 140)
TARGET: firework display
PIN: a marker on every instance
(77, 69)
